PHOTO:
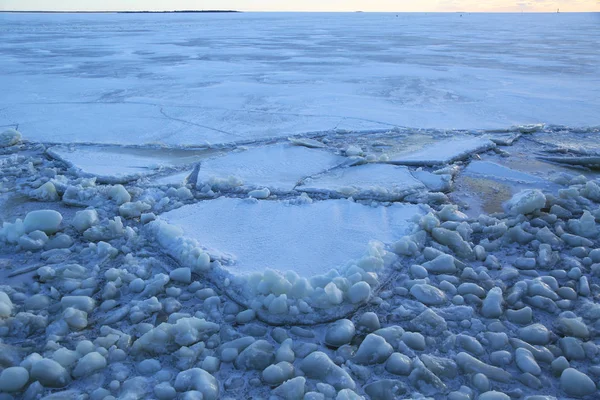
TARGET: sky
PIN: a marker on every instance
(307, 5)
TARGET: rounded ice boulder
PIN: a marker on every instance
(427, 294)
(526, 202)
(6, 305)
(359, 292)
(318, 365)
(339, 333)
(200, 380)
(576, 383)
(50, 373)
(47, 221)
(373, 350)
(13, 379)
(10, 137)
(89, 364)
(292, 389)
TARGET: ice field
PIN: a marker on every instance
(300, 206)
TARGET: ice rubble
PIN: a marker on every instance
(494, 307)
(277, 167)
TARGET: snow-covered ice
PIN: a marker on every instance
(308, 239)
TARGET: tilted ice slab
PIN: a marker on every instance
(495, 171)
(380, 181)
(118, 164)
(277, 167)
(444, 151)
(308, 239)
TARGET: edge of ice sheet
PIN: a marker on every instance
(368, 181)
(279, 167)
(285, 297)
(496, 171)
(444, 151)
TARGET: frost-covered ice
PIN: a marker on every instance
(278, 167)
(369, 181)
(443, 152)
(309, 239)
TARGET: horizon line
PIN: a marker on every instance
(288, 11)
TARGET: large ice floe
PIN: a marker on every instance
(285, 257)
(309, 238)
(310, 270)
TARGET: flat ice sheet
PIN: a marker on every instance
(380, 181)
(443, 151)
(117, 164)
(309, 239)
(197, 78)
(278, 167)
(495, 171)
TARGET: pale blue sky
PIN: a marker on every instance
(306, 5)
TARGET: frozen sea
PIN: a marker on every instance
(299, 206)
(189, 79)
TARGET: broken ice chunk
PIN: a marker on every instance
(9, 137)
(47, 221)
(526, 202)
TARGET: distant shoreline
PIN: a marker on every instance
(286, 12)
(122, 12)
